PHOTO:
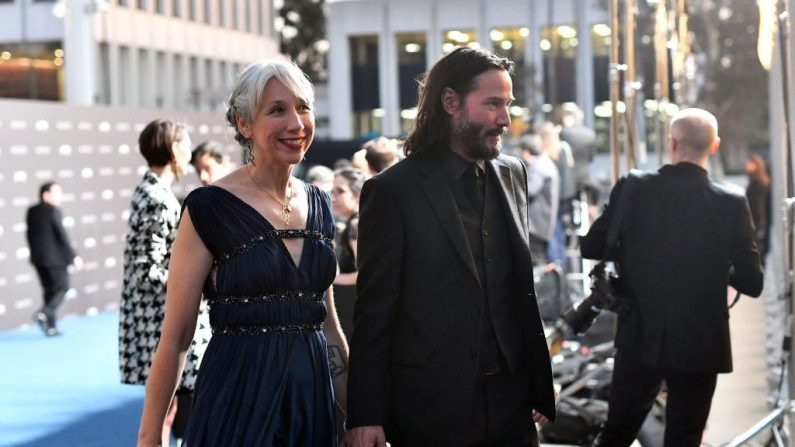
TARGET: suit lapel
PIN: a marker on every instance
(511, 194)
(436, 187)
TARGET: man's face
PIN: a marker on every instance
(209, 169)
(54, 196)
(483, 117)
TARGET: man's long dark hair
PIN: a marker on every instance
(457, 71)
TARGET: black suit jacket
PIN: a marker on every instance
(417, 325)
(681, 242)
(47, 238)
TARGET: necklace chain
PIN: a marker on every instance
(286, 207)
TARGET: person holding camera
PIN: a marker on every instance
(682, 239)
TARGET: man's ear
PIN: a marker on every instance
(451, 101)
(715, 146)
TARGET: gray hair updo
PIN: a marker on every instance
(247, 94)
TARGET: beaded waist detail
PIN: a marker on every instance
(268, 329)
(292, 295)
(269, 235)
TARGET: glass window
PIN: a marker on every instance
(457, 38)
(367, 111)
(192, 10)
(412, 51)
(559, 46)
(160, 6)
(176, 8)
(141, 4)
(32, 71)
(510, 43)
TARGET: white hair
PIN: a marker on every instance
(247, 94)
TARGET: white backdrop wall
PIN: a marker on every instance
(93, 153)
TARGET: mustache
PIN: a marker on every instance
(497, 131)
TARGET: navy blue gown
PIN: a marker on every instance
(264, 379)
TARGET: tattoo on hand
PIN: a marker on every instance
(336, 364)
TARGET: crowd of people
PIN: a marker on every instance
(240, 300)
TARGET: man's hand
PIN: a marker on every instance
(368, 436)
(539, 418)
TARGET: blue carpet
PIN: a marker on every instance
(65, 391)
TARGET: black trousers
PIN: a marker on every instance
(55, 283)
(632, 393)
(501, 414)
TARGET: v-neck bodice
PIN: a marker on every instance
(252, 261)
(265, 376)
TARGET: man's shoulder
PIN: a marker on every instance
(511, 162)
(728, 189)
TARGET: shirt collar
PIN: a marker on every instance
(456, 166)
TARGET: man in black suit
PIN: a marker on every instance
(448, 347)
(50, 253)
(682, 240)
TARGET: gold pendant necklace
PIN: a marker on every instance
(286, 207)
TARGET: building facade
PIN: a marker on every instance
(173, 54)
(377, 48)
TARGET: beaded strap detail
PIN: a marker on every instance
(259, 330)
(269, 235)
(292, 295)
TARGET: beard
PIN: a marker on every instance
(473, 139)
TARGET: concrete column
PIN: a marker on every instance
(584, 71)
(114, 75)
(202, 83)
(434, 38)
(152, 81)
(79, 53)
(484, 38)
(168, 81)
(133, 77)
(387, 72)
(340, 121)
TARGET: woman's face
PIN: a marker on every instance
(181, 150)
(283, 127)
(344, 202)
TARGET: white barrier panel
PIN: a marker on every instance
(93, 153)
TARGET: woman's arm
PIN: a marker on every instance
(346, 279)
(190, 264)
(337, 351)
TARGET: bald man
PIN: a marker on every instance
(682, 240)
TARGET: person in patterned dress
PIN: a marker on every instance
(258, 245)
(152, 226)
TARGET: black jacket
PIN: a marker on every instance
(47, 238)
(417, 328)
(682, 240)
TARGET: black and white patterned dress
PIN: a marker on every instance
(152, 226)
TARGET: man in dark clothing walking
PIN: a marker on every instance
(50, 253)
(682, 240)
(448, 347)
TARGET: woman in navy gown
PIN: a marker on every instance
(258, 244)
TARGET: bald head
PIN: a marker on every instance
(694, 133)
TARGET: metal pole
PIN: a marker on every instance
(661, 86)
(553, 55)
(786, 73)
(629, 85)
(613, 76)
